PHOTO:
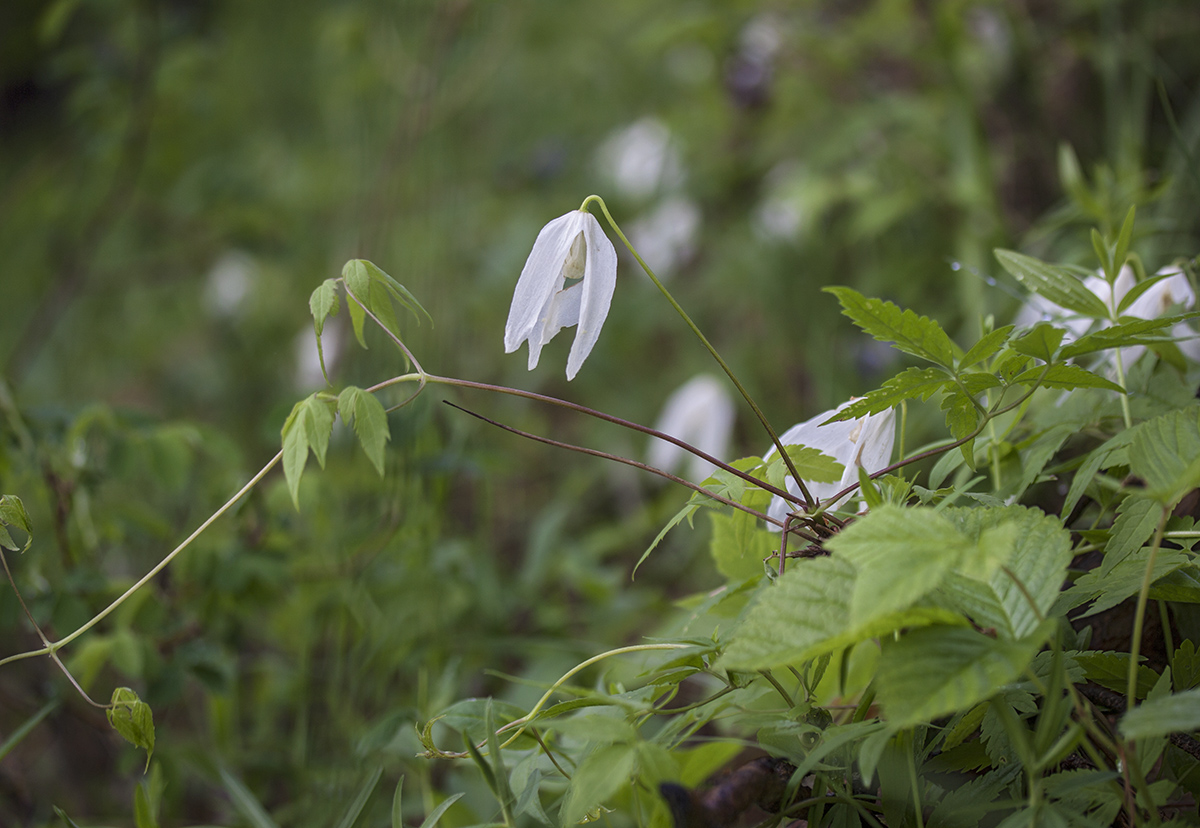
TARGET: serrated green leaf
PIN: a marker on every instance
(913, 334)
(806, 613)
(1009, 364)
(1041, 343)
(901, 555)
(1165, 452)
(1054, 283)
(1034, 569)
(1137, 518)
(1176, 713)
(986, 347)
(1065, 375)
(1124, 334)
(1124, 239)
(12, 513)
(1121, 582)
(132, 718)
(323, 303)
(308, 426)
(358, 286)
(1185, 666)
(366, 414)
(962, 418)
(908, 384)
(739, 544)
(934, 671)
(1111, 670)
(1098, 458)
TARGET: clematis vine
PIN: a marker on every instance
(701, 413)
(865, 441)
(567, 280)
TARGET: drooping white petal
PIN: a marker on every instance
(701, 413)
(569, 247)
(865, 441)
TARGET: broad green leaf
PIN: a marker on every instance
(1054, 283)
(986, 347)
(1065, 375)
(739, 544)
(370, 423)
(525, 781)
(934, 671)
(132, 718)
(806, 613)
(1111, 670)
(1034, 570)
(1124, 334)
(913, 334)
(962, 418)
(1036, 453)
(308, 426)
(600, 775)
(976, 382)
(1176, 713)
(900, 554)
(1098, 458)
(1040, 343)
(360, 799)
(1137, 518)
(1165, 452)
(1185, 667)
(12, 513)
(907, 385)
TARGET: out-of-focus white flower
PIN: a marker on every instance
(666, 237)
(567, 280)
(642, 159)
(865, 441)
(308, 359)
(701, 413)
(228, 282)
(1173, 290)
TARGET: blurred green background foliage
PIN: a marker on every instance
(177, 176)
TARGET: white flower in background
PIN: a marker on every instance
(228, 282)
(666, 237)
(700, 413)
(567, 280)
(641, 159)
(865, 441)
(1172, 291)
(308, 360)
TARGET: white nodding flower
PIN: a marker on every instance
(568, 279)
(864, 441)
(699, 412)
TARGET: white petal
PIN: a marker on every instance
(599, 281)
(699, 412)
(540, 281)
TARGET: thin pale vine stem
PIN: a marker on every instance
(399, 342)
(1139, 615)
(809, 501)
(100, 616)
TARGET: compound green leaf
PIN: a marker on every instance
(1054, 283)
(1137, 518)
(986, 347)
(308, 426)
(913, 334)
